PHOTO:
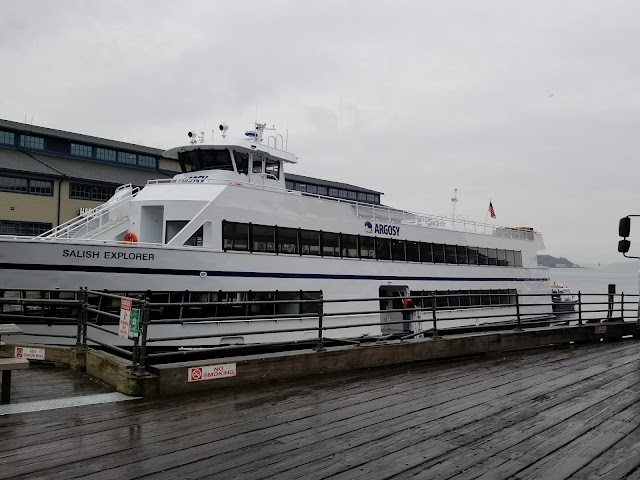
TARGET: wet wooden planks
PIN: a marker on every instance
(562, 413)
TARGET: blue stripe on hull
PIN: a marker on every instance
(215, 273)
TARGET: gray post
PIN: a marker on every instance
(579, 308)
(433, 315)
(80, 315)
(319, 344)
(612, 294)
(146, 317)
(622, 306)
(519, 324)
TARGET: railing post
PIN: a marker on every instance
(319, 344)
(579, 308)
(144, 326)
(433, 316)
(519, 320)
(622, 306)
(85, 316)
(81, 311)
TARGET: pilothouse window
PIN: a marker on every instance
(256, 164)
(242, 162)
(205, 160)
(272, 167)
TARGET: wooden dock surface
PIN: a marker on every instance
(566, 413)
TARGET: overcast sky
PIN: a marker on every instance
(532, 104)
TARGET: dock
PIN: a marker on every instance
(557, 413)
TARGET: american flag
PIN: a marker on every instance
(492, 212)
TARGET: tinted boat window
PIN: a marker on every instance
(383, 248)
(462, 254)
(472, 255)
(330, 244)
(272, 167)
(256, 164)
(426, 252)
(510, 258)
(207, 159)
(451, 254)
(367, 247)
(287, 240)
(349, 245)
(397, 250)
(242, 162)
(483, 256)
(438, 253)
(310, 242)
(235, 236)
(502, 258)
(263, 238)
(492, 254)
(413, 254)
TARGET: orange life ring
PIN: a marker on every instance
(130, 237)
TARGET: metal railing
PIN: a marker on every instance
(368, 211)
(69, 229)
(91, 319)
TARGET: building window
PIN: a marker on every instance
(40, 187)
(81, 150)
(82, 192)
(126, 157)
(12, 184)
(106, 154)
(7, 138)
(28, 141)
(146, 161)
(334, 192)
(102, 194)
(88, 192)
(9, 227)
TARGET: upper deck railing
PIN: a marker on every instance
(381, 213)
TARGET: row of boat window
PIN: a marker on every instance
(232, 308)
(464, 298)
(249, 237)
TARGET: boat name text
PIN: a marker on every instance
(147, 257)
(387, 229)
(194, 179)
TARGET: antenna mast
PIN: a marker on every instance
(454, 200)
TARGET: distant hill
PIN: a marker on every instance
(549, 261)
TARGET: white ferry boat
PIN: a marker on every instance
(228, 230)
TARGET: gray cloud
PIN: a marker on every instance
(532, 105)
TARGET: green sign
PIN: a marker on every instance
(134, 325)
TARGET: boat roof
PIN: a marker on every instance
(242, 145)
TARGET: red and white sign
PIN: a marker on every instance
(30, 353)
(212, 372)
(125, 317)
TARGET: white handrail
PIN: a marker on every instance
(77, 223)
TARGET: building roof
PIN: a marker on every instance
(38, 162)
(78, 137)
(75, 168)
(328, 183)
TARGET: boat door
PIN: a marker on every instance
(391, 299)
(256, 174)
